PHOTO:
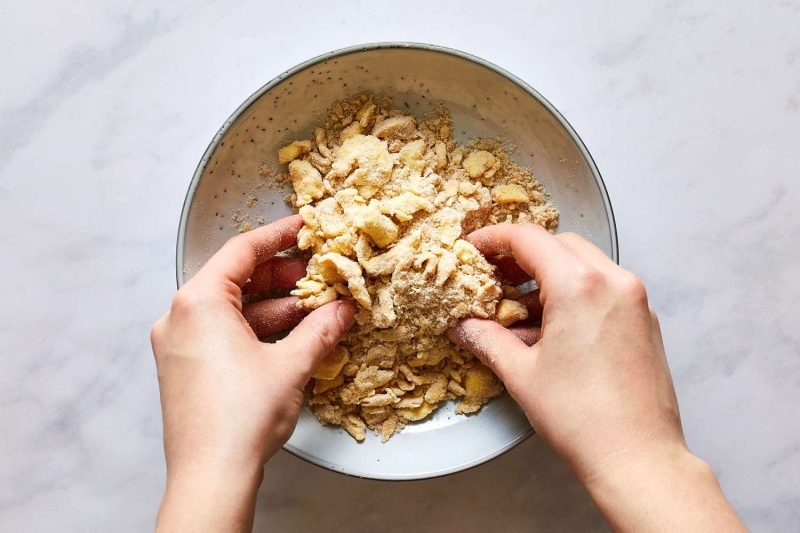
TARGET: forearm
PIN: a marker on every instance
(677, 492)
(209, 501)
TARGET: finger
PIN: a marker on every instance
(237, 260)
(534, 305)
(530, 335)
(276, 273)
(537, 252)
(510, 271)
(270, 316)
(585, 250)
(318, 333)
(494, 345)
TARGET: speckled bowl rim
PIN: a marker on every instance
(179, 256)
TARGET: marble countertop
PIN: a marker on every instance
(691, 110)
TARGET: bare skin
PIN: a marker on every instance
(596, 385)
(229, 401)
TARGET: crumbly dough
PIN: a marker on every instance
(386, 200)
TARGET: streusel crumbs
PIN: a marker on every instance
(387, 199)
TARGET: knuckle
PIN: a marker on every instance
(233, 241)
(589, 281)
(653, 315)
(181, 300)
(156, 332)
(531, 227)
(520, 233)
(185, 301)
(569, 239)
(237, 242)
(634, 290)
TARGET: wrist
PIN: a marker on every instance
(619, 470)
(210, 497)
(670, 490)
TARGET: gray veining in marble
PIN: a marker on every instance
(691, 110)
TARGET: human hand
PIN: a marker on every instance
(229, 401)
(596, 386)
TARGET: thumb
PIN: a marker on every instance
(495, 346)
(318, 333)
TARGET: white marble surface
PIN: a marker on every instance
(691, 110)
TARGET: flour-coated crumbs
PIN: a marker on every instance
(386, 200)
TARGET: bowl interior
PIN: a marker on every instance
(227, 192)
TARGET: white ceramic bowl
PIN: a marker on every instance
(484, 101)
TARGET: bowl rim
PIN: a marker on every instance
(179, 252)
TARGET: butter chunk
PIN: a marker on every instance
(510, 193)
(332, 364)
(417, 414)
(399, 127)
(382, 355)
(366, 114)
(440, 151)
(306, 238)
(330, 217)
(353, 129)
(383, 313)
(365, 163)
(480, 386)
(466, 251)
(323, 385)
(511, 293)
(326, 272)
(371, 221)
(350, 271)
(306, 181)
(447, 266)
(448, 221)
(478, 162)
(313, 294)
(292, 151)
(510, 311)
(386, 263)
(371, 377)
(353, 424)
(412, 155)
(404, 206)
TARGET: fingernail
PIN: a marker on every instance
(345, 313)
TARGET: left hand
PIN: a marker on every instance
(229, 401)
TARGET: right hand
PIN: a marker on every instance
(596, 386)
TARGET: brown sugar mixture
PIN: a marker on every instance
(387, 199)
